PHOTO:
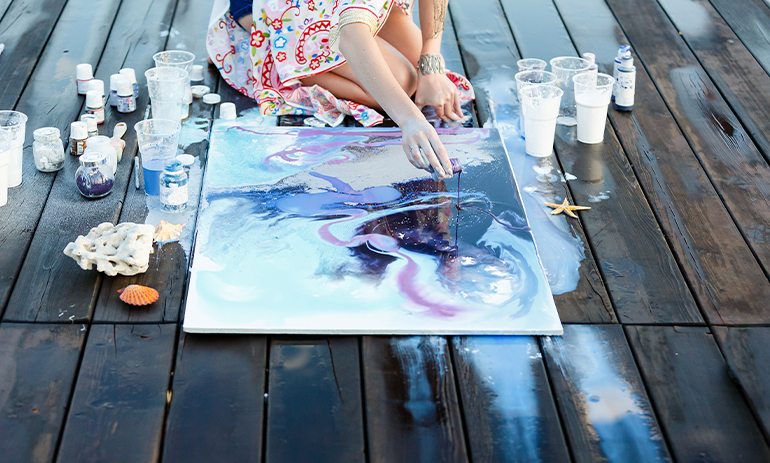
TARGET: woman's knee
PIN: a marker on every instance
(406, 76)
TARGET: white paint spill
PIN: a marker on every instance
(600, 197)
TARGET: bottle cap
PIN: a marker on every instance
(84, 72)
(78, 130)
(114, 81)
(129, 74)
(627, 63)
(46, 133)
(227, 111)
(96, 85)
(99, 143)
(590, 57)
(91, 124)
(199, 90)
(186, 159)
(92, 158)
(197, 73)
(94, 99)
(211, 98)
(124, 87)
(172, 165)
(623, 50)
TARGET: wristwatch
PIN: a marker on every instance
(431, 64)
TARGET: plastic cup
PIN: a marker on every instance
(531, 64)
(5, 158)
(592, 96)
(182, 60)
(168, 87)
(540, 105)
(158, 140)
(565, 68)
(13, 125)
(532, 77)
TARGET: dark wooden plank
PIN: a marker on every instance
(699, 407)
(508, 408)
(314, 409)
(218, 399)
(747, 352)
(490, 58)
(120, 398)
(600, 394)
(49, 99)
(26, 25)
(412, 413)
(750, 20)
(38, 365)
(718, 265)
(639, 269)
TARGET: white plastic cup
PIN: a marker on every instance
(531, 64)
(532, 77)
(566, 67)
(5, 158)
(13, 127)
(540, 105)
(182, 60)
(167, 87)
(592, 96)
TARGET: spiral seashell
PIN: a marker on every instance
(138, 295)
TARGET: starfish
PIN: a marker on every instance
(165, 232)
(566, 208)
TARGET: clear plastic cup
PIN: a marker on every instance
(531, 64)
(592, 96)
(532, 77)
(13, 126)
(168, 89)
(565, 68)
(540, 105)
(182, 60)
(158, 140)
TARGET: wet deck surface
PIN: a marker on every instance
(665, 349)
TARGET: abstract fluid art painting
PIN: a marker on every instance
(332, 231)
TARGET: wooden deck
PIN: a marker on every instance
(666, 344)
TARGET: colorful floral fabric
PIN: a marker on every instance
(288, 41)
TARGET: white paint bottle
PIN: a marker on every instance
(626, 81)
(84, 74)
(129, 74)
(95, 105)
(113, 98)
(622, 51)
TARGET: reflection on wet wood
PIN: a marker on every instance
(412, 412)
(217, 399)
(509, 413)
(314, 405)
(38, 366)
(600, 394)
(750, 20)
(699, 406)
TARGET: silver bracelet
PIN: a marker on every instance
(431, 64)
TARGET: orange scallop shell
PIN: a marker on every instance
(138, 295)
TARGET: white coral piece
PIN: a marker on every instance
(124, 249)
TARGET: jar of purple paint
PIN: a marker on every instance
(94, 177)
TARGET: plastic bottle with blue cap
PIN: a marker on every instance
(626, 82)
(624, 50)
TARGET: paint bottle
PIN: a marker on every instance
(592, 68)
(84, 73)
(129, 74)
(48, 149)
(126, 99)
(173, 187)
(622, 51)
(97, 85)
(624, 100)
(90, 120)
(114, 89)
(78, 136)
(95, 105)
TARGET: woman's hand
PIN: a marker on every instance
(423, 147)
(438, 91)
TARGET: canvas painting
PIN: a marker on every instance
(332, 231)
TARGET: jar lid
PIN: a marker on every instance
(199, 91)
(84, 71)
(129, 74)
(94, 99)
(211, 98)
(46, 134)
(98, 141)
(78, 130)
(124, 87)
(114, 78)
(186, 159)
(197, 73)
(93, 159)
(172, 165)
(96, 85)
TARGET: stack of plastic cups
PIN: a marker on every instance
(158, 140)
(182, 60)
(533, 77)
(531, 64)
(592, 95)
(565, 68)
(13, 125)
(167, 87)
(540, 105)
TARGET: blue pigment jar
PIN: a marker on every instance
(94, 177)
(173, 187)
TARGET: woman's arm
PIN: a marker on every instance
(362, 53)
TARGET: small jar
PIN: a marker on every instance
(94, 177)
(129, 74)
(113, 98)
(83, 74)
(95, 105)
(126, 99)
(91, 126)
(173, 187)
(97, 85)
(102, 144)
(78, 135)
(48, 149)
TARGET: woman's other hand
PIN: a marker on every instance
(424, 149)
(438, 91)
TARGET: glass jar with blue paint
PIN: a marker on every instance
(94, 177)
(173, 187)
